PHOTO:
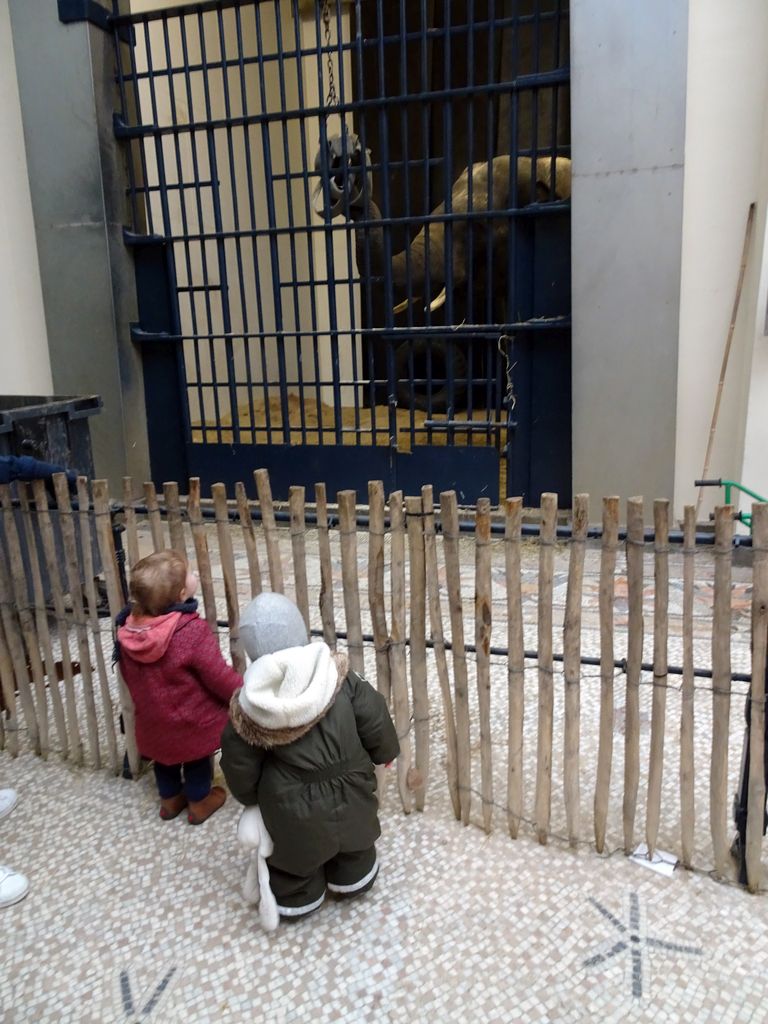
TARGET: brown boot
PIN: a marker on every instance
(200, 810)
(172, 806)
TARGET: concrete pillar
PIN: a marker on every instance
(66, 81)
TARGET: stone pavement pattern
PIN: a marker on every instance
(133, 919)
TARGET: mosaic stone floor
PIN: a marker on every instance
(130, 919)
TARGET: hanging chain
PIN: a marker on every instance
(332, 99)
(510, 399)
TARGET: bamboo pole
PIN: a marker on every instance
(20, 629)
(41, 622)
(153, 515)
(572, 666)
(114, 596)
(721, 687)
(513, 515)
(249, 538)
(687, 805)
(86, 541)
(10, 735)
(546, 666)
(271, 538)
(756, 786)
(605, 601)
(397, 650)
(45, 524)
(175, 524)
(449, 515)
(660, 637)
(418, 632)
(221, 511)
(635, 629)
(483, 624)
(326, 570)
(132, 537)
(299, 550)
(438, 643)
(349, 575)
(376, 602)
(202, 554)
(727, 349)
(69, 538)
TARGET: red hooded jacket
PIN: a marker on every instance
(180, 684)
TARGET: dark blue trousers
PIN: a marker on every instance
(194, 777)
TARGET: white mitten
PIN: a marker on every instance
(252, 833)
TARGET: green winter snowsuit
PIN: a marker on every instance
(314, 782)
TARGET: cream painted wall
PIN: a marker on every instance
(726, 167)
(25, 366)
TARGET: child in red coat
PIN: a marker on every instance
(180, 684)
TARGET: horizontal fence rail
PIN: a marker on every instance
(480, 631)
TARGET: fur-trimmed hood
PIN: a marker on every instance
(284, 694)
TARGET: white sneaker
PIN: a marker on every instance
(8, 800)
(13, 887)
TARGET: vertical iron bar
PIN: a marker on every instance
(330, 260)
(220, 240)
(448, 231)
(407, 203)
(470, 248)
(170, 263)
(298, 337)
(126, 120)
(426, 52)
(142, 142)
(261, 341)
(201, 243)
(308, 217)
(274, 252)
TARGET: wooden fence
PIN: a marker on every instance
(533, 739)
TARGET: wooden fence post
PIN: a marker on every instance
(52, 565)
(376, 586)
(756, 787)
(175, 524)
(326, 568)
(483, 625)
(86, 544)
(438, 642)
(513, 510)
(659, 702)
(249, 538)
(223, 527)
(264, 491)
(418, 633)
(109, 568)
(10, 733)
(20, 631)
(449, 516)
(687, 805)
(721, 687)
(635, 628)
(299, 550)
(132, 538)
(546, 666)
(397, 650)
(606, 598)
(41, 620)
(202, 554)
(572, 666)
(349, 575)
(72, 570)
(153, 515)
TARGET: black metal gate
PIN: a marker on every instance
(325, 289)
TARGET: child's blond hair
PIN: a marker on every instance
(157, 582)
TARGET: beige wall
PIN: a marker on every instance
(726, 168)
(25, 366)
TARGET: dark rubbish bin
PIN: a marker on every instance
(54, 430)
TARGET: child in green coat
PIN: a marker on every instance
(302, 741)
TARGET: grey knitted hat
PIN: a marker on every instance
(271, 622)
